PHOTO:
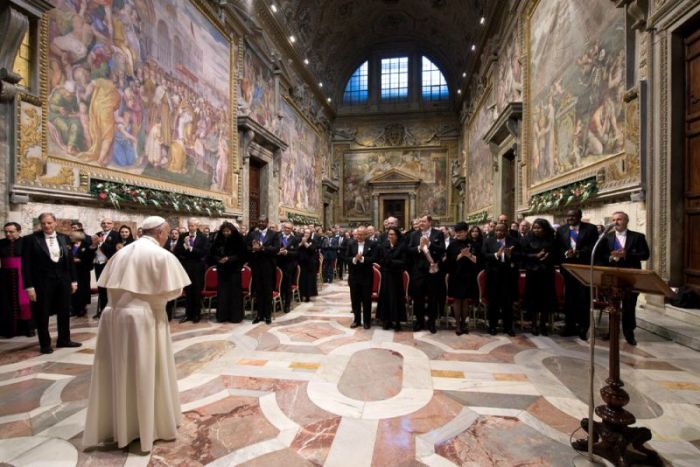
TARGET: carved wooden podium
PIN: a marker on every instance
(613, 436)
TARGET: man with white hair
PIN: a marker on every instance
(133, 391)
(192, 250)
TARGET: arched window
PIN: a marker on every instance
(394, 78)
(434, 84)
(356, 90)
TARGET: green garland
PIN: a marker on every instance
(300, 219)
(122, 193)
(567, 195)
(478, 218)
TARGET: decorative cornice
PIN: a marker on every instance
(504, 127)
(261, 135)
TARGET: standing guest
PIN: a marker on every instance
(287, 262)
(372, 234)
(317, 240)
(48, 275)
(170, 245)
(576, 241)
(228, 254)
(125, 237)
(340, 263)
(447, 233)
(263, 245)
(515, 227)
(539, 256)
(192, 250)
(476, 246)
(426, 248)
(84, 259)
(244, 230)
(361, 255)
(627, 250)
(105, 247)
(415, 224)
(133, 390)
(391, 309)
(329, 249)
(500, 255)
(15, 310)
(461, 264)
(389, 222)
(523, 229)
(307, 258)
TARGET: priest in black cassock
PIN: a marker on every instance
(15, 311)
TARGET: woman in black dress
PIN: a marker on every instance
(83, 258)
(308, 265)
(125, 237)
(462, 268)
(539, 256)
(228, 253)
(391, 308)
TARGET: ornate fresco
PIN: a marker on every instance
(508, 80)
(257, 91)
(300, 179)
(575, 113)
(479, 156)
(429, 165)
(141, 91)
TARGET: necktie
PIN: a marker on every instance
(284, 241)
(261, 237)
(500, 244)
(573, 234)
(191, 241)
(617, 244)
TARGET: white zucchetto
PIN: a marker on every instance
(152, 222)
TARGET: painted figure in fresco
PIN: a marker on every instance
(104, 102)
(124, 152)
(64, 117)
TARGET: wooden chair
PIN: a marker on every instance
(295, 284)
(277, 292)
(376, 284)
(211, 287)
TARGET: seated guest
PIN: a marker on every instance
(287, 262)
(391, 309)
(627, 250)
(15, 312)
(501, 255)
(83, 258)
(539, 256)
(361, 254)
(308, 264)
(228, 253)
(462, 265)
(125, 237)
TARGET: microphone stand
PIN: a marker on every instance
(591, 346)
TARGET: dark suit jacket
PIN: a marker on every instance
(109, 244)
(420, 263)
(636, 250)
(490, 248)
(267, 256)
(587, 236)
(199, 251)
(361, 271)
(37, 266)
(288, 263)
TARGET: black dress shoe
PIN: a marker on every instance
(583, 335)
(629, 337)
(46, 350)
(354, 325)
(535, 331)
(397, 327)
(196, 320)
(366, 325)
(286, 309)
(183, 320)
(417, 326)
(544, 331)
(386, 326)
(68, 344)
(492, 331)
(257, 320)
(30, 333)
(432, 328)
(510, 332)
(268, 321)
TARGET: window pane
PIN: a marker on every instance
(356, 90)
(394, 78)
(434, 84)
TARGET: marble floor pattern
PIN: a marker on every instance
(308, 390)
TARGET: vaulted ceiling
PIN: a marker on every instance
(337, 35)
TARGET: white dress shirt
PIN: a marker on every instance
(54, 247)
(360, 251)
(621, 237)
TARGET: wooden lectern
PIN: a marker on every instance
(612, 437)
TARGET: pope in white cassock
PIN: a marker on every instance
(133, 391)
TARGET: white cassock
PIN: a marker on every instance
(133, 391)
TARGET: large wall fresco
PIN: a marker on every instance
(479, 157)
(576, 60)
(257, 90)
(142, 89)
(430, 165)
(509, 75)
(300, 178)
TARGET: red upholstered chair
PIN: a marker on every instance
(246, 286)
(407, 295)
(448, 300)
(319, 272)
(295, 285)
(211, 286)
(277, 292)
(376, 284)
(481, 280)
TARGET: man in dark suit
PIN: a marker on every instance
(361, 253)
(263, 244)
(426, 247)
(171, 245)
(576, 240)
(49, 276)
(192, 250)
(500, 255)
(287, 262)
(627, 250)
(105, 245)
(340, 263)
(329, 249)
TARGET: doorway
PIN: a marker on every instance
(691, 163)
(395, 208)
(254, 191)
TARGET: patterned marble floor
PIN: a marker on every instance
(308, 390)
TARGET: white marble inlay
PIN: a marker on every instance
(353, 444)
(38, 451)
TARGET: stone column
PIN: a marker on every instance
(245, 138)
(411, 207)
(375, 210)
